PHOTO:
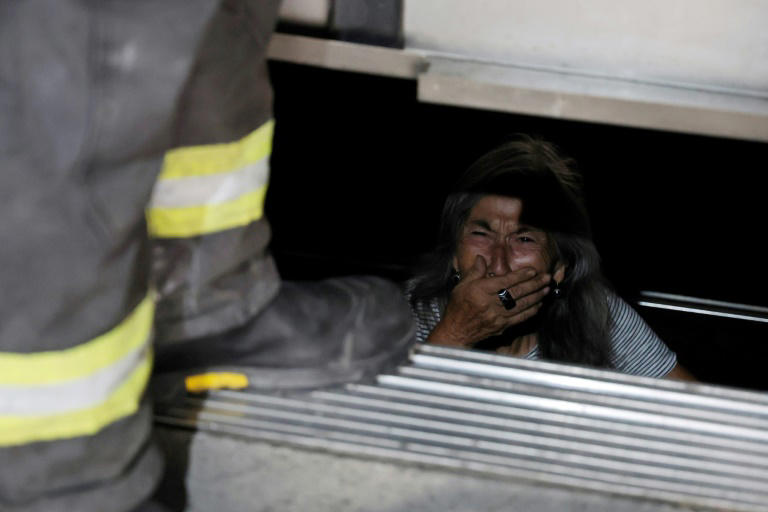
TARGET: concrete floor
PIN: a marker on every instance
(209, 472)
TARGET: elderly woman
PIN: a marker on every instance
(516, 271)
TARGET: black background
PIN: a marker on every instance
(360, 169)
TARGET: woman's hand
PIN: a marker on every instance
(474, 311)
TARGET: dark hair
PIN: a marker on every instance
(574, 328)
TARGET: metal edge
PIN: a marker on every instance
(448, 460)
(687, 300)
(456, 90)
(596, 461)
(566, 437)
(494, 414)
(593, 373)
(701, 310)
(571, 382)
(344, 56)
(463, 91)
(596, 410)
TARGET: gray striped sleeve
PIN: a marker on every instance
(635, 348)
(425, 313)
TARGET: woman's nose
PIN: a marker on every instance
(501, 255)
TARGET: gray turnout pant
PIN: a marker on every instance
(134, 145)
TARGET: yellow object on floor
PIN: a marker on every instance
(215, 380)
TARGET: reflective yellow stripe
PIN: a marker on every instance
(215, 380)
(123, 402)
(216, 158)
(200, 220)
(43, 368)
(205, 189)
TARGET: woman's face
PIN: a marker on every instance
(494, 232)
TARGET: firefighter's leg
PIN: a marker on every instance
(206, 219)
(216, 279)
(88, 91)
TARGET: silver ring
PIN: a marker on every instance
(491, 274)
(506, 299)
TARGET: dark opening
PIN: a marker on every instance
(361, 168)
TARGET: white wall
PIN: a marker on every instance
(710, 43)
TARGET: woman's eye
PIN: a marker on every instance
(479, 233)
(525, 239)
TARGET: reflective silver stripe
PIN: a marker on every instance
(210, 188)
(70, 396)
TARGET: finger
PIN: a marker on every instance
(524, 315)
(506, 299)
(525, 310)
(520, 314)
(523, 304)
(533, 285)
(508, 280)
(523, 289)
(478, 269)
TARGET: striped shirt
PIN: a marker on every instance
(635, 348)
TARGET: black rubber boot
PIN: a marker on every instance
(313, 334)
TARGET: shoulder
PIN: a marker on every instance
(635, 348)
